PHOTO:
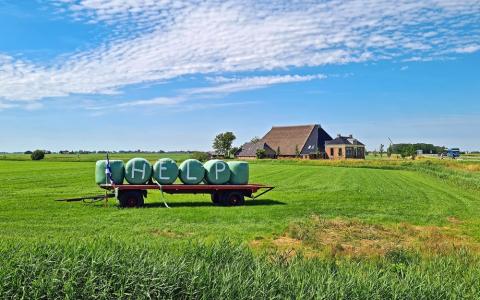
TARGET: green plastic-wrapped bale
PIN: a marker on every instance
(165, 171)
(138, 171)
(238, 172)
(191, 171)
(216, 172)
(118, 171)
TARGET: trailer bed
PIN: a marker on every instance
(228, 194)
(188, 188)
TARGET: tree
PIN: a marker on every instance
(260, 153)
(278, 151)
(408, 151)
(297, 152)
(223, 143)
(381, 150)
(28, 152)
(234, 151)
(426, 148)
(37, 155)
(389, 151)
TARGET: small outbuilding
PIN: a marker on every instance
(249, 150)
(345, 147)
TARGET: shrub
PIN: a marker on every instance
(38, 155)
(234, 151)
(260, 153)
(201, 156)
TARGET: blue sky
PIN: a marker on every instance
(125, 74)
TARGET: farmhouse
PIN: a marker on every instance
(343, 147)
(306, 141)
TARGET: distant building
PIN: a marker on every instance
(305, 141)
(343, 147)
(249, 150)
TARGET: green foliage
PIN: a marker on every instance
(201, 156)
(38, 155)
(261, 153)
(234, 151)
(223, 143)
(382, 150)
(224, 271)
(408, 151)
(297, 151)
(426, 148)
(389, 151)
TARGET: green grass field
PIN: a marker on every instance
(96, 156)
(329, 229)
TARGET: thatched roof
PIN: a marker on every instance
(250, 149)
(287, 138)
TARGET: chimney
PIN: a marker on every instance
(339, 135)
(350, 136)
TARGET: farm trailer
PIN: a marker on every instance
(132, 195)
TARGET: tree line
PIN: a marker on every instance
(426, 148)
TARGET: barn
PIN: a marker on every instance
(305, 141)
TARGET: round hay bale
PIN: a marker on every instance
(165, 171)
(216, 171)
(138, 171)
(118, 171)
(191, 171)
(239, 172)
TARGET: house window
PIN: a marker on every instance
(340, 152)
(331, 152)
(349, 151)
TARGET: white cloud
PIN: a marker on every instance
(158, 101)
(150, 102)
(202, 105)
(226, 86)
(156, 41)
(468, 49)
(233, 85)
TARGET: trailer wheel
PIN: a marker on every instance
(216, 198)
(131, 199)
(233, 198)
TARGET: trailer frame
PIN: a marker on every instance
(132, 195)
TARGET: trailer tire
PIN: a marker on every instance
(233, 198)
(216, 198)
(131, 199)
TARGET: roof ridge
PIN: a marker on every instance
(304, 125)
